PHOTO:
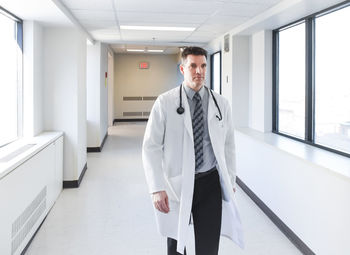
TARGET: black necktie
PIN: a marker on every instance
(198, 130)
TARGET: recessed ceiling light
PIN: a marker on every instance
(157, 28)
(155, 50)
(135, 50)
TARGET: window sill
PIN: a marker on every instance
(333, 162)
(16, 153)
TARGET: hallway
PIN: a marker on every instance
(111, 213)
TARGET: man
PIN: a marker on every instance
(189, 161)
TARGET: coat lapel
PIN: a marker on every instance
(187, 114)
(212, 110)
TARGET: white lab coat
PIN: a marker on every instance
(169, 163)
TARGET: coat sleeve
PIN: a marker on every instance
(230, 154)
(152, 148)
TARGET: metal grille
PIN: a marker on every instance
(132, 98)
(25, 222)
(132, 114)
(149, 98)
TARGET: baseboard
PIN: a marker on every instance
(302, 247)
(97, 149)
(36, 231)
(129, 120)
(75, 183)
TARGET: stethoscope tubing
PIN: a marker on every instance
(180, 110)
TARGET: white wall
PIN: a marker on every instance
(97, 94)
(162, 75)
(93, 94)
(110, 88)
(32, 79)
(310, 198)
(240, 80)
(235, 75)
(104, 92)
(81, 102)
(64, 92)
(260, 116)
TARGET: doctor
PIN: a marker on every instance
(189, 161)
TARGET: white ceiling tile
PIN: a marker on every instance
(148, 35)
(106, 37)
(89, 4)
(200, 39)
(94, 15)
(155, 18)
(243, 9)
(43, 11)
(111, 30)
(90, 24)
(226, 20)
(266, 2)
(163, 6)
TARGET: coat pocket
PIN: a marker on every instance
(175, 184)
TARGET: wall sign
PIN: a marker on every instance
(143, 65)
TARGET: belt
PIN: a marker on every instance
(202, 174)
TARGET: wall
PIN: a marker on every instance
(235, 75)
(110, 88)
(65, 92)
(32, 79)
(162, 75)
(97, 94)
(93, 94)
(260, 115)
(308, 197)
(104, 91)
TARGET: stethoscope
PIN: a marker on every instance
(181, 110)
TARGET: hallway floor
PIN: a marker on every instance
(111, 212)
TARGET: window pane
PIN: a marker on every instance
(291, 93)
(8, 80)
(216, 65)
(332, 80)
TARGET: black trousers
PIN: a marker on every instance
(206, 213)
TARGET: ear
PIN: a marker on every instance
(181, 69)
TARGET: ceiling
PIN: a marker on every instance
(102, 19)
(211, 18)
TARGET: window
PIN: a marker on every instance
(312, 80)
(292, 81)
(332, 80)
(216, 72)
(10, 77)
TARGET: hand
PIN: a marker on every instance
(234, 190)
(160, 201)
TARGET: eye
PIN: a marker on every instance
(204, 65)
(193, 65)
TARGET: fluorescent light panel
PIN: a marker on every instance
(157, 28)
(155, 50)
(135, 50)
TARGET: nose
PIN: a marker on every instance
(199, 69)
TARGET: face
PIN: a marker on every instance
(193, 70)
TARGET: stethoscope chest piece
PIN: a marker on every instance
(180, 110)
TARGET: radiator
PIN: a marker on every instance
(26, 195)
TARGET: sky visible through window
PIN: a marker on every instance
(332, 80)
(8, 80)
(292, 81)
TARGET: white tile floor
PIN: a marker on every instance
(111, 212)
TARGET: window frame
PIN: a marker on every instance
(19, 37)
(212, 70)
(309, 77)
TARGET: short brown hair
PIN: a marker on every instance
(192, 50)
